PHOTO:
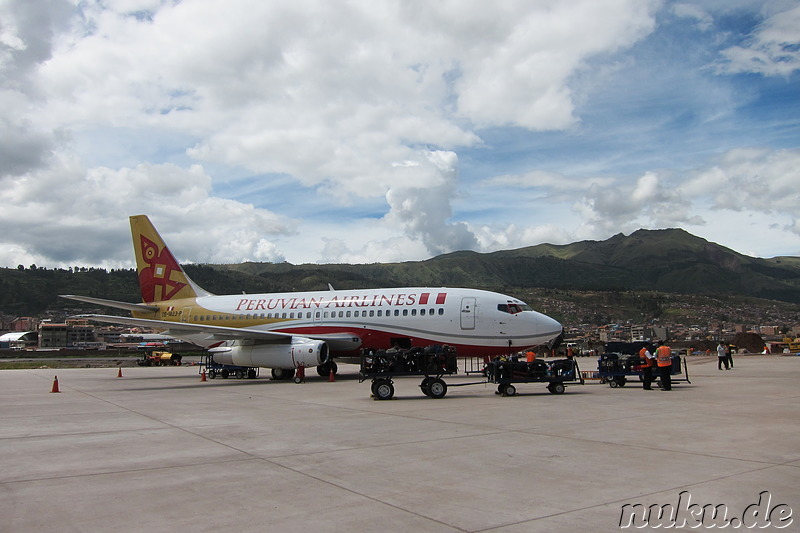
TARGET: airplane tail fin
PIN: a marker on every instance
(161, 278)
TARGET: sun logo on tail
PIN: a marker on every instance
(158, 273)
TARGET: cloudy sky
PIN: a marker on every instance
(392, 130)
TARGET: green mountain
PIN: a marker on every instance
(670, 261)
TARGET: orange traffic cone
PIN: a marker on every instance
(331, 376)
(203, 376)
(119, 374)
(55, 385)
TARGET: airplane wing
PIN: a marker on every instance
(179, 329)
(337, 341)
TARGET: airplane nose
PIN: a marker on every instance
(547, 323)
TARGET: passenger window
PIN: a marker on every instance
(405, 312)
(441, 311)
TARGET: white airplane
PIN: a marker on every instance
(282, 331)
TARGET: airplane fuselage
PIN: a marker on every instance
(475, 322)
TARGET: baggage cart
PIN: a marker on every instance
(214, 369)
(616, 369)
(432, 362)
(507, 372)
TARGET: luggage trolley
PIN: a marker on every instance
(615, 369)
(433, 362)
(506, 372)
(215, 369)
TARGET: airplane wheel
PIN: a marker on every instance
(251, 374)
(212, 374)
(509, 390)
(437, 388)
(324, 371)
(383, 389)
(282, 374)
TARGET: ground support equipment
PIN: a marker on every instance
(557, 374)
(214, 369)
(432, 362)
(616, 369)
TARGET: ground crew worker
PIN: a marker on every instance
(722, 357)
(530, 357)
(647, 367)
(664, 360)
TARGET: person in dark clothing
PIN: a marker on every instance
(648, 361)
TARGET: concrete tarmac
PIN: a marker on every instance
(159, 450)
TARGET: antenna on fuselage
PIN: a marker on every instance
(330, 288)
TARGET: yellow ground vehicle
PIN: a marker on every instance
(159, 358)
(793, 344)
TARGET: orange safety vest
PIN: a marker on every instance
(664, 355)
(642, 356)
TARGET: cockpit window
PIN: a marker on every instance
(513, 309)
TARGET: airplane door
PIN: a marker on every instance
(468, 312)
(185, 314)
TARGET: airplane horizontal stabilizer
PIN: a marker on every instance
(112, 303)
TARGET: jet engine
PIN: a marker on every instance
(250, 352)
